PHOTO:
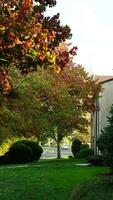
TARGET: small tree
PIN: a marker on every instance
(105, 141)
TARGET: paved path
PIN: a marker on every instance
(52, 153)
(37, 166)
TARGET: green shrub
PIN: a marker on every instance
(31, 151)
(96, 160)
(84, 146)
(20, 153)
(70, 157)
(5, 159)
(105, 141)
(81, 191)
(76, 144)
(36, 149)
(85, 153)
(98, 189)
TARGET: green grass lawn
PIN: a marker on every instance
(46, 180)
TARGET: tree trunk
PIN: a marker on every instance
(58, 150)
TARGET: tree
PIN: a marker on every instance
(48, 103)
(81, 90)
(59, 95)
(65, 100)
(21, 112)
(27, 38)
(105, 141)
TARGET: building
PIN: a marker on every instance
(103, 105)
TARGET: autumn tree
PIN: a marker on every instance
(44, 92)
(52, 104)
(28, 39)
(70, 112)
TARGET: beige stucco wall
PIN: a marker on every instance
(99, 118)
(105, 102)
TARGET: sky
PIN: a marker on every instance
(91, 22)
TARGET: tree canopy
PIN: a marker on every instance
(29, 40)
(27, 37)
(41, 89)
(48, 103)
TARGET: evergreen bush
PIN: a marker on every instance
(76, 147)
(96, 160)
(20, 153)
(23, 151)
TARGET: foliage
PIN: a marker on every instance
(4, 146)
(22, 151)
(57, 103)
(80, 192)
(80, 150)
(84, 137)
(85, 153)
(28, 39)
(84, 146)
(8, 141)
(5, 159)
(76, 144)
(105, 141)
(96, 160)
(36, 149)
(101, 188)
(25, 151)
(59, 95)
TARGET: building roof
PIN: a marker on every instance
(103, 78)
